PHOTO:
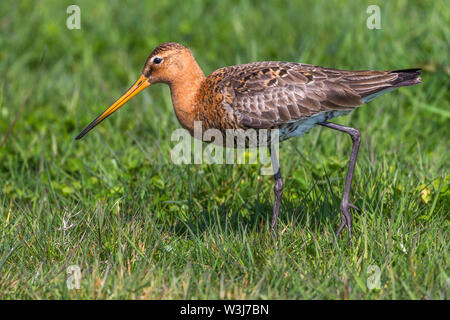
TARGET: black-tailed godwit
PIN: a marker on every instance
(291, 97)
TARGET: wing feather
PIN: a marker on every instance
(268, 94)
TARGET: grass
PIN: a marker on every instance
(140, 227)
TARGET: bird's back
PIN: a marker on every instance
(280, 94)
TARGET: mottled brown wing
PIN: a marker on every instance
(267, 94)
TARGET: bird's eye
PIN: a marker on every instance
(157, 60)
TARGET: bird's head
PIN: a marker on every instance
(167, 63)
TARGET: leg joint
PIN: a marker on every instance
(355, 134)
(278, 187)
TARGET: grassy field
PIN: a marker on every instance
(140, 227)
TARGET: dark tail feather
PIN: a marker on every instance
(389, 81)
(406, 77)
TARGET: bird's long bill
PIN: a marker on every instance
(140, 85)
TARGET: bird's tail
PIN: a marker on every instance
(406, 77)
(387, 81)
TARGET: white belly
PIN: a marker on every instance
(296, 129)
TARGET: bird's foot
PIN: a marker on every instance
(346, 218)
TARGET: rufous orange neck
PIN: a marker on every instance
(184, 91)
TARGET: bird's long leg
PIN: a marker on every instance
(346, 217)
(278, 190)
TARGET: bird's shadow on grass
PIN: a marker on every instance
(311, 213)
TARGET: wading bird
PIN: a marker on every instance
(290, 97)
